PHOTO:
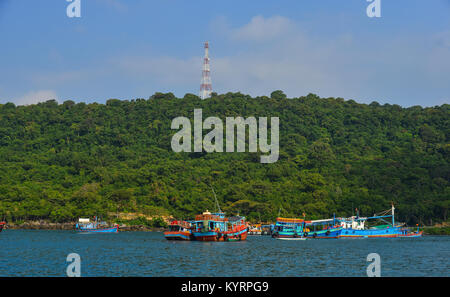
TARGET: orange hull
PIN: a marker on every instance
(177, 235)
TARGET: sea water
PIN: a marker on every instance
(44, 253)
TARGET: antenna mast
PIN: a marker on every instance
(205, 86)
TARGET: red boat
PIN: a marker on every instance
(179, 230)
(2, 224)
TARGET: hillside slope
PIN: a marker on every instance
(62, 161)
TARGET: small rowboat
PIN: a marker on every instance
(292, 238)
(114, 229)
(2, 224)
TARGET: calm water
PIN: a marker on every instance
(43, 253)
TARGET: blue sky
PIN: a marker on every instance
(130, 49)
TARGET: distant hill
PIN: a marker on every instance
(63, 161)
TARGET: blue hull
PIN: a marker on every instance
(386, 232)
(331, 233)
(103, 230)
(322, 234)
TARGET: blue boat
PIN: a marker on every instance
(85, 225)
(355, 226)
(297, 229)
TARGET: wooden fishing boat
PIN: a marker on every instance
(216, 227)
(255, 229)
(2, 225)
(355, 227)
(291, 228)
(84, 225)
(179, 230)
(288, 228)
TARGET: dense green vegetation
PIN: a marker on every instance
(436, 231)
(64, 161)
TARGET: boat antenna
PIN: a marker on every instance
(217, 206)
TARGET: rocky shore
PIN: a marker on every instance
(44, 225)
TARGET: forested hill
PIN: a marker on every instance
(64, 161)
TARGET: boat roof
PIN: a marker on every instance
(210, 217)
(290, 220)
(180, 223)
(319, 222)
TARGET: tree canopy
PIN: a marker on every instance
(69, 160)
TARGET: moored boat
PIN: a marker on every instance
(355, 227)
(85, 225)
(255, 229)
(288, 228)
(179, 230)
(326, 233)
(2, 225)
(291, 228)
(216, 227)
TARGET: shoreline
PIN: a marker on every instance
(71, 226)
(44, 225)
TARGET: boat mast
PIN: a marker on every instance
(393, 219)
(215, 199)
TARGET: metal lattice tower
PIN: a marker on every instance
(205, 86)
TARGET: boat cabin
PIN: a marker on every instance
(289, 225)
(210, 222)
(179, 226)
(354, 223)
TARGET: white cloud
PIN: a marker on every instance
(263, 29)
(289, 60)
(35, 97)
